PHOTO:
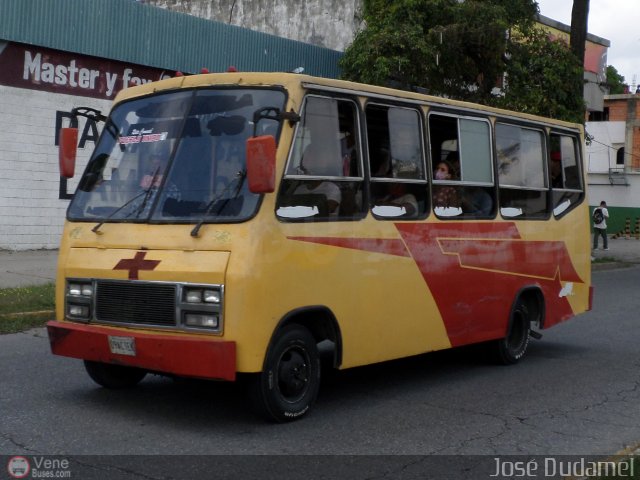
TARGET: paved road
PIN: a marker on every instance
(577, 393)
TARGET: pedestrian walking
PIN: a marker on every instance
(600, 216)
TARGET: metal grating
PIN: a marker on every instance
(142, 34)
(136, 303)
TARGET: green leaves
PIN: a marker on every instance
(464, 50)
(615, 81)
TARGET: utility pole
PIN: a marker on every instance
(579, 20)
(578, 41)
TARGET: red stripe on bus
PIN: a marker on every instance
(475, 270)
(477, 307)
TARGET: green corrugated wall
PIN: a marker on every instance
(133, 32)
(618, 217)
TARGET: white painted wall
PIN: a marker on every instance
(619, 195)
(31, 214)
(608, 137)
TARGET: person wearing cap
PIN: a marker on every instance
(555, 170)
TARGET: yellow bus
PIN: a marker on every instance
(228, 224)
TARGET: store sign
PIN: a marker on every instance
(32, 67)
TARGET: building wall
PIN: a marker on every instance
(623, 129)
(52, 60)
(623, 201)
(31, 210)
(326, 23)
(38, 89)
(608, 137)
(595, 61)
(626, 108)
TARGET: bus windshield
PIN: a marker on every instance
(176, 157)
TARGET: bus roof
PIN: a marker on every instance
(293, 81)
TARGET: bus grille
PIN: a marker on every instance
(136, 303)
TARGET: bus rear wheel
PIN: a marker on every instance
(288, 386)
(513, 346)
(114, 376)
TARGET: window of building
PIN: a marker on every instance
(602, 116)
(620, 157)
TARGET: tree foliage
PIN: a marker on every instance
(463, 50)
(541, 79)
(615, 81)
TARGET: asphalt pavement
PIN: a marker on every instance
(21, 268)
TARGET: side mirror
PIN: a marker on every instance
(261, 164)
(67, 149)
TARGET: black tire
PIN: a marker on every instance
(288, 386)
(510, 349)
(114, 376)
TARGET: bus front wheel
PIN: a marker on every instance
(513, 346)
(113, 376)
(288, 386)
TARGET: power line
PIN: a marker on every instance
(630, 154)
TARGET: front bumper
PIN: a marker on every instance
(199, 357)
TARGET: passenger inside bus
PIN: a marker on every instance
(445, 196)
(321, 158)
(384, 168)
(391, 194)
(154, 167)
(555, 169)
(398, 196)
(323, 180)
(477, 202)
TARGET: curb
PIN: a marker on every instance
(24, 314)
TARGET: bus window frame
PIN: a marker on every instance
(360, 213)
(461, 184)
(543, 129)
(556, 211)
(416, 108)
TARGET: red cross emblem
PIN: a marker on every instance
(135, 264)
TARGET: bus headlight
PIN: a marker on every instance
(79, 311)
(201, 307)
(199, 295)
(211, 296)
(79, 299)
(77, 289)
(193, 295)
(201, 320)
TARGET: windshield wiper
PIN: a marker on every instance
(146, 192)
(240, 176)
(110, 216)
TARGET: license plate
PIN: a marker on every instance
(122, 345)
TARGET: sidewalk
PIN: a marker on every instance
(30, 267)
(33, 267)
(621, 251)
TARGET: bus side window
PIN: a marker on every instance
(565, 177)
(463, 180)
(521, 170)
(398, 180)
(323, 177)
